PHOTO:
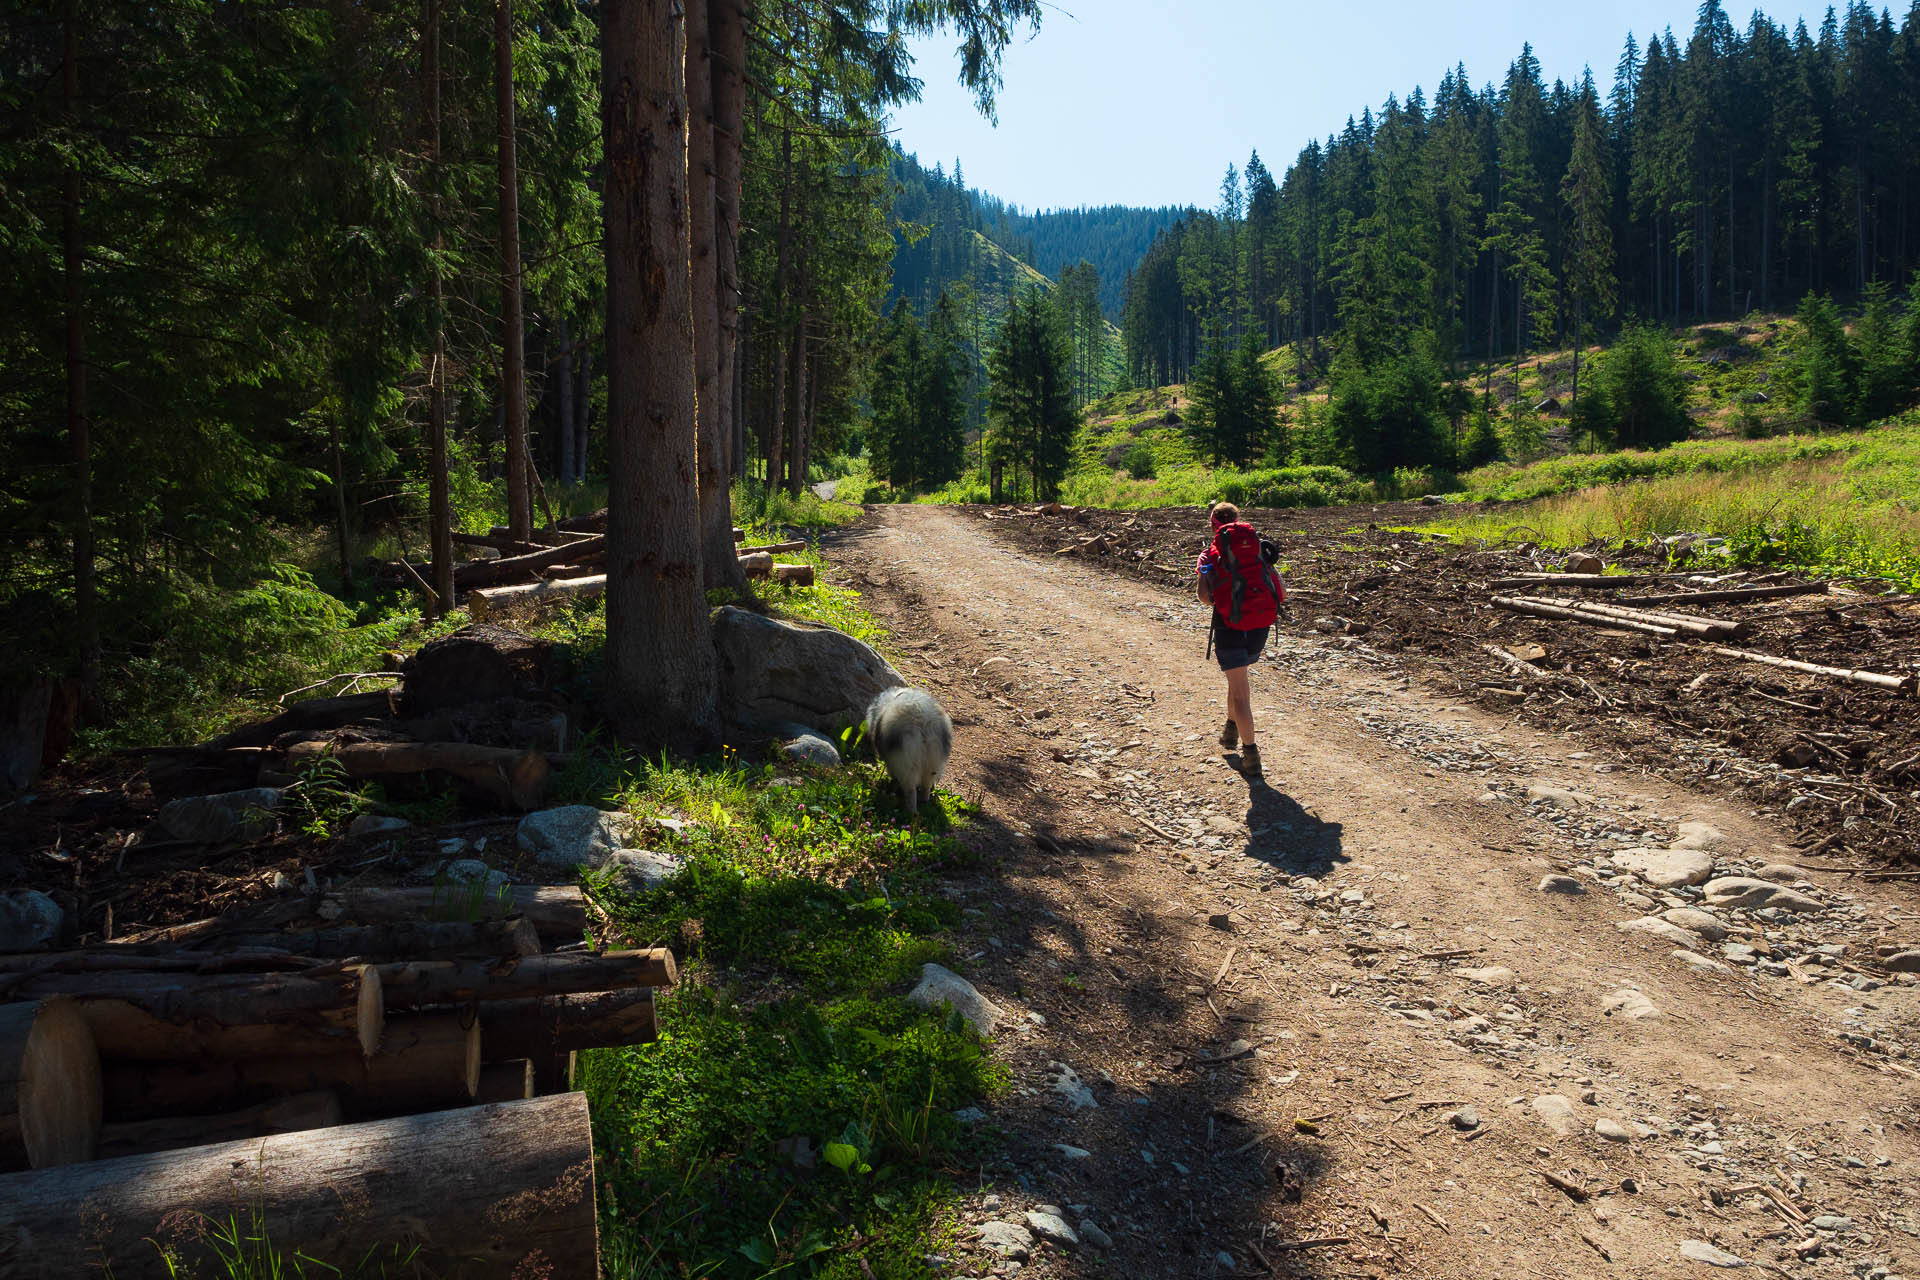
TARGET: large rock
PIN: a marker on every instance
(1667, 868)
(30, 921)
(1750, 894)
(773, 671)
(638, 870)
(1694, 920)
(231, 815)
(575, 835)
(480, 663)
(1556, 1112)
(940, 985)
(1664, 930)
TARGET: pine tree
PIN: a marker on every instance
(1587, 192)
(1029, 399)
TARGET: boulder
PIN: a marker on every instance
(638, 870)
(30, 921)
(575, 835)
(1749, 894)
(216, 819)
(1694, 920)
(1667, 868)
(773, 671)
(940, 985)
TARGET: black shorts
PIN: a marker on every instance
(1236, 649)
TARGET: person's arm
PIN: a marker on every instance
(1203, 589)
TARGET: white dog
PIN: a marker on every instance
(912, 736)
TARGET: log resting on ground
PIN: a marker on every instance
(419, 983)
(517, 777)
(562, 1024)
(176, 1016)
(557, 911)
(317, 1110)
(484, 1193)
(794, 575)
(482, 604)
(489, 573)
(311, 713)
(438, 939)
(424, 1061)
(49, 1085)
(1873, 679)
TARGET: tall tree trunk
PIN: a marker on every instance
(563, 391)
(719, 561)
(513, 354)
(342, 543)
(797, 455)
(661, 670)
(86, 610)
(439, 501)
(582, 412)
(727, 57)
(782, 240)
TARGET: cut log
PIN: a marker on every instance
(505, 1081)
(421, 983)
(794, 575)
(506, 545)
(424, 1062)
(1740, 593)
(1589, 581)
(150, 958)
(773, 548)
(759, 565)
(557, 911)
(172, 1016)
(562, 1024)
(517, 777)
(739, 534)
(541, 537)
(1705, 628)
(592, 522)
(49, 1085)
(490, 573)
(476, 664)
(1873, 679)
(450, 939)
(1540, 610)
(485, 1193)
(482, 604)
(317, 1110)
(310, 713)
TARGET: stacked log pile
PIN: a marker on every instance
(559, 564)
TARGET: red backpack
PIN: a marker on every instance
(1246, 591)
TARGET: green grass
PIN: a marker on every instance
(1845, 504)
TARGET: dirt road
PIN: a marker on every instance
(1333, 1022)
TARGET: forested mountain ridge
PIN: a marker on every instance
(1722, 172)
(934, 210)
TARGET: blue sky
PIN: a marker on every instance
(1146, 101)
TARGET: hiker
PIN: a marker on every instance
(1236, 576)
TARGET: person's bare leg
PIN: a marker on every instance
(1240, 704)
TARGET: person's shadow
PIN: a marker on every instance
(1286, 837)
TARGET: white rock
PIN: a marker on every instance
(216, 819)
(1560, 797)
(1556, 1112)
(1629, 1004)
(1698, 961)
(1750, 894)
(1783, 872)
(1612, 1130)
(1066, 1082)
(1071, 1152)
(940, 985)
(30, 921)
(1051, 1226)
(574, 835)
(1666, 868)
(638, 870)
(810, 748)
(1694, 920)
(1664, 930)
(1701, 1251)
(1702, 835)
(1491, 976)
(1008, 1239)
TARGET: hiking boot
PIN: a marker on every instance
(1230, 736)
(1250, 760)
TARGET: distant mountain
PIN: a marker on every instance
(944, 211)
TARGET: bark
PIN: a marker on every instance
(661, 669)
(174, 1016)
(507, 546)
(487, 573)
(1704, 628)
(513, 352)
(716, 503)
(49, 1085)
(439, 501)
(514, 936)
(483, 603)
(563, 1024)
(518, 777)
(773, 548)
(727, 54)
(483, 1192)
(1874, 679)
(1571, 613)
(319, 1109)
(782, 242)
(423, 1062)
(756, 566)
(797, 459)
(86, 614)
(563, 391)
(419, 983)
(341, 540)
(559, 912)
(794, 575)
(583, 412)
